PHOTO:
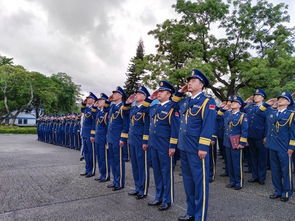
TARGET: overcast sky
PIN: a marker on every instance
(91, 40)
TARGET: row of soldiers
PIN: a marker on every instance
(154, 128)
(60, 130)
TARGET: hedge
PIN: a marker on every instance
(17, 130)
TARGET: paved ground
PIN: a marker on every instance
(41, 182)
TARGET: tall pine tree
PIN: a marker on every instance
(135, 71)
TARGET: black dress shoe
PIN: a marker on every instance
(89, 175)
(164, 206)
(140, 196)
(155, 203)
(274, 196)
(117, 188)
(97, 179)
(223, 174)
(238, 188)
(81, 158)
(186, 218)
(104, 180)
(83, 174)
(261, 182)
(253, 180)
(284, 199)
(111, 186)
(229, 186)
(133, 193)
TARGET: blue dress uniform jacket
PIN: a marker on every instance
(100, 127)
(280, 138)
(117, 130)
(256, 134)
(138, 130)
(163, 134)
(257, 121)
(89, 150)
(198, 117)
(237, 125)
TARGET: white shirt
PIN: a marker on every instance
(165, 102)
(196, 95)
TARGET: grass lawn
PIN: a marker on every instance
(5, 129)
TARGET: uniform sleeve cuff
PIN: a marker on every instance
(124, 135)
(173, 141)
(126, 106)
(147, 102)
(177, 96)
(92, 132)
(204, 141)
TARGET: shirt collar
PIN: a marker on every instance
(162, 104)
(196, 95)
(235, 112)
(118, 104)
(281, 111)
(139, 105)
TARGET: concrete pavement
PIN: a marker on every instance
(40, 181)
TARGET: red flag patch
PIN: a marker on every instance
(176, 114)
(212, 107)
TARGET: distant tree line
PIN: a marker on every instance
(22, 90)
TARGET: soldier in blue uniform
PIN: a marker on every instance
(220, 127)
(77, 127)
(100, 126)
(138, 127)
(163, 137)
(198, 117)
(235, 142)
(88, 135)
(281, 142)
(256, 133)
(117, 135)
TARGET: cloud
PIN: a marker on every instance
(91, 40)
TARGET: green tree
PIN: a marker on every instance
(67, 94)
(22, 90)
(239, 45)
(5, 60)
(135, 71)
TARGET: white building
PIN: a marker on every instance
(23, 119)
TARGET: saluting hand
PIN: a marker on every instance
(111, 98)
(96, 104)
(184, 89)
(130, 99)
(154, 95)
(222, 105)
(271, 101)
(249, 99)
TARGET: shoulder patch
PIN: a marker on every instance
(212, 107)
